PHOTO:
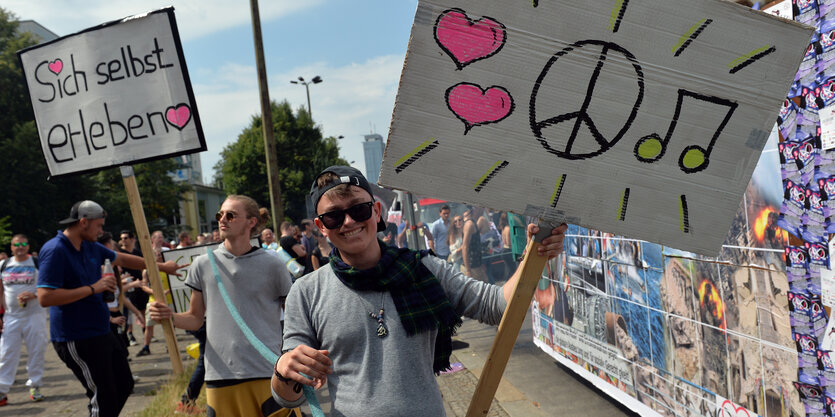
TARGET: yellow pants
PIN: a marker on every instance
(247, 399)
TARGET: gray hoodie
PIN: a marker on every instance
(255, 282)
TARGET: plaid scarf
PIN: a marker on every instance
(421, 302)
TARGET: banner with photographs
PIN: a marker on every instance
(673, 333)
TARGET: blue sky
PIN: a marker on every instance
(357, 47)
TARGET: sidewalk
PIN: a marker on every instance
(532, 385)
(65, 395)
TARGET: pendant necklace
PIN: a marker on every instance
(382, 331)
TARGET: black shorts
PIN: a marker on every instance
(138, 298)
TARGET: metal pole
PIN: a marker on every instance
(309, 110)
(266, 120)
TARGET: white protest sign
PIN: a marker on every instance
(113, 94)
(781, 9)
(640, 118)
(827, 118)
(180, 292)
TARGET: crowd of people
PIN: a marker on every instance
(371, 320)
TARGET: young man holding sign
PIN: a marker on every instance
(70, 282)
(239, 289)
(378, 320)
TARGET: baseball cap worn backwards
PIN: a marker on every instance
(86, 209)
(345, 175)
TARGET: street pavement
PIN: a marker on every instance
(532, 385)
(64, 395)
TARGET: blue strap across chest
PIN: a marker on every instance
(262, 349)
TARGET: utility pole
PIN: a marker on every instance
(276, 207)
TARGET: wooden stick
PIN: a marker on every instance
(520, 301)
(144, 237)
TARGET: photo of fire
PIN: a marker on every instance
(688, 328)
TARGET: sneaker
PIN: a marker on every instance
(35, 394)
(144, 352)
(132, 339)
(4, 400)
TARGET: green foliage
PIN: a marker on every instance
(14, 100)
(34, 204)
(302, 154)
(159, 193)
(5, 232)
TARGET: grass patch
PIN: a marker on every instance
(168, 394)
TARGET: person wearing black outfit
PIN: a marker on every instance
(320, 255)
(127, 244)
(290, 243)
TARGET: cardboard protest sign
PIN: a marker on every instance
(181, 293)
(113, 94)
(640, 118)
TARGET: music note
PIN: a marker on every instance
(693, 158)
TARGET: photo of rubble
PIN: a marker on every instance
(781, 399)
(691, 328)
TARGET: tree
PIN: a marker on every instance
(33, 204)
(5, 232)
(14, 101)
(302, 154)
(159, 192)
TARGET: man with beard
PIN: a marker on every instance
(71, 284)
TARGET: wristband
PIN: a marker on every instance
(92, 290)
(278, 375)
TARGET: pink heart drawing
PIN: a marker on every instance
(467, 41)
(178, 115)
(477, 106)
(730, 409)
(56, 66)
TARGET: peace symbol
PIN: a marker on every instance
(581, 116)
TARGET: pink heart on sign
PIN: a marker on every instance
(56, 66)
(178, 115)
(476, 106)
(467, 41)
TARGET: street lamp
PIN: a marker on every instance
(316, 80)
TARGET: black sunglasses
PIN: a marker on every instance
(230, 216)
(360, 213)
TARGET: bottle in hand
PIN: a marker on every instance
(108, 296)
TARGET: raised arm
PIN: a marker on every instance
(469, 229)
(135, 262)
(550, 247)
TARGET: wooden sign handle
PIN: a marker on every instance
(144, 238)
(520, 301)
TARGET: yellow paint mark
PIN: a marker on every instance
(420, 147)
(747, 56)
(615, 13)
(689, 32)
(486, 174)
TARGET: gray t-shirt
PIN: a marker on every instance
(255, 282)
(371, 375)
